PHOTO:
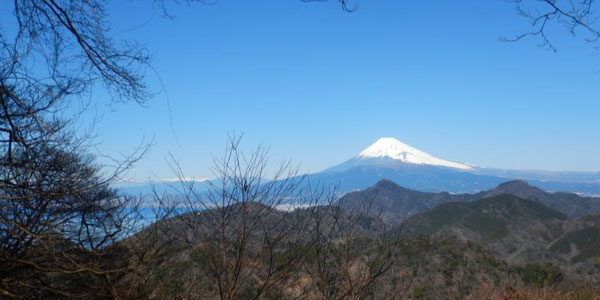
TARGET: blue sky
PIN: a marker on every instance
(318, 85)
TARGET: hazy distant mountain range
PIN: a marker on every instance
(389, 158)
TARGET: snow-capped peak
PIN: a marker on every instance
(395, 149)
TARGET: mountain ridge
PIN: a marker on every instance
(395, 203)
(516, 230)
(392, 159)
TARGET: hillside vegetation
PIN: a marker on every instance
(395, 203)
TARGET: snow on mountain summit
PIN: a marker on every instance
(395, 149)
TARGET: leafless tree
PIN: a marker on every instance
(245, 232)
(253, 236)
(72, 41)
(61, 222)
(578, 17)
(352, 254)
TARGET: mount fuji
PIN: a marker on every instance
(395, 149)
(392, 152)
(389, 158)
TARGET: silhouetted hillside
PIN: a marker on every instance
(395, 203)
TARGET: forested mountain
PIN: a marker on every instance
(395, 203)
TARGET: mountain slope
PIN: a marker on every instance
(515, 229)
(395, 149)
(395, 203)
(578, 245)
(572, 205)
(391, 159)
(442, 264)
(489, 217)
(358, 174)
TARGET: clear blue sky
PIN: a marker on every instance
(318, 85)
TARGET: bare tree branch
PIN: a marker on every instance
(575, 16)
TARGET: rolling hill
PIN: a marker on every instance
(395, 203)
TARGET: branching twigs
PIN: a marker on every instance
(60, 219)
(571, 14)
(68, 35)
(249, 243)
(255, 238)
